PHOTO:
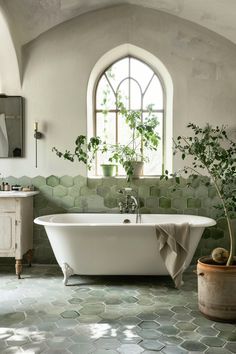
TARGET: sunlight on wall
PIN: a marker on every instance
(9, 68)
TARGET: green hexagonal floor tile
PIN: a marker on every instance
(149, 325)
(154, 345)
(168, 330)
(193, 346)
(69, 314)
(213, 341)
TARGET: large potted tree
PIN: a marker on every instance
(211, 153)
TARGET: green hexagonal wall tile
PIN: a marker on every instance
(152, 202)
(176, 193)
(80, 180)
(188, 192)
(93, 183)
(46, 190)
(85, 191)
(40, 201)
(67, 202)
(212, 192)
(179, 203)
(81, 202)
(67, 181)
(60, 191)
(164, 202)
(143, 191)
(216, 234)
(201, 191)
(74, 191)
(195, 182)
(110, 202)
(11, 180)
(52, 181)
(95, 202)
(103, 191)
(194, 203)
(24, 181)
(38, 181)
(154, 191)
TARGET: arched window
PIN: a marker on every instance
(138, 87)
(139, 79)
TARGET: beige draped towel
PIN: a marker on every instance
(174, 247)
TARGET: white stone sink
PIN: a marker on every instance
(7, 192)
(16, 194)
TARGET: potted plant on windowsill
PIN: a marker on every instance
(85, 151)
(130, 156)
(213, 152)
(143, 136)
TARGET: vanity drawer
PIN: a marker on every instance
(7, 205)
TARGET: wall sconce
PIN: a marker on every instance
(37, 135)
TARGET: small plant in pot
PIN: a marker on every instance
(143, 137)
(130, 156)
(85, 151)
(210, 150)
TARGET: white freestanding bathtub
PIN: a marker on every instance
(101, 244)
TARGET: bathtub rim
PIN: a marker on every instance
(42, 220)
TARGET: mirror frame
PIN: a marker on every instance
(21, 111)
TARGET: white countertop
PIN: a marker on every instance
(17, 194)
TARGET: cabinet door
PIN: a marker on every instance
(7, 234)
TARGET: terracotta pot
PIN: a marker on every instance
(216, 290)
(108, 170)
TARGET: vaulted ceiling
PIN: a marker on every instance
(33, 17)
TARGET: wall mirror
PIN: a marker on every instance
(11, 126)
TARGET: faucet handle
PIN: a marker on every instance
(120, 204)
(133, 207)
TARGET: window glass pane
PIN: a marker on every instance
(141, 72)
(106, 127)
(135, 95)
(154, 94)
(124, 133)
(124, 137)
(106, 130)
(123, 92)
(117, 72)
(154, 166)
(105, 96)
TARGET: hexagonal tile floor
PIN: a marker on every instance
(105, 315)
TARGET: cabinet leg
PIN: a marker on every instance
(18, 267)
(29, 257)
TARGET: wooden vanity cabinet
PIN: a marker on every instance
(16, 227)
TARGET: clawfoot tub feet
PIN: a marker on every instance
(67, 272)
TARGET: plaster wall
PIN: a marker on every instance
(57, 66)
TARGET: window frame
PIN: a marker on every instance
(116, 111)
(107, 59)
